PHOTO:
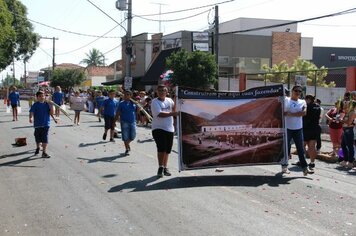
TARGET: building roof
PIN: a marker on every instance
(157, 68)
(100, 70)
(64, 66)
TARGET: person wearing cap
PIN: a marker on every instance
(311, 128)
(294, 110)
(126, 113)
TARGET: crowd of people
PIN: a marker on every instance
(302, 121)
(132, 108)
(129, 108)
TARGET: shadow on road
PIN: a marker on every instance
(20, 161)
(203, 181)
(64, 125)
(106, 159)
(90, 144)
(6, 121)
(15, 154)
(23, 127)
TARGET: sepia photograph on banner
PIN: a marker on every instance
(225, 129)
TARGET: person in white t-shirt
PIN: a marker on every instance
(294, 110)
(163, 111)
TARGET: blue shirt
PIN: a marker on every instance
(41, 114)
(127, 111)
(58, 98)
(14, 98)
(99, 101)
(110, 106)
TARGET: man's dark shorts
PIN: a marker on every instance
(163, 139)
(13, 106)
(41, 134)
(109, 122)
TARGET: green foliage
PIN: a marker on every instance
(192, 69)
(279, 72)
(94, 58)
(67, 78)
(9, 80)
(22, 39)
(7, 36)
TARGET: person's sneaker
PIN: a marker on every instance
(127, 152)
(318, 151)
(285, 170)
(307, 171)
(160, 172)
(45, 155)
(104, 136)
(342, 163)
(349, 165)
(37, 151)
(112, 140)
(166, 172)
(311, 166)
(99, 119)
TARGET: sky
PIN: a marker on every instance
(81, 17)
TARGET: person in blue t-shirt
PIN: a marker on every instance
(58, 98)
(14, 101)
(99, 100)
(40, 112)
(126, 112)
(109, 107)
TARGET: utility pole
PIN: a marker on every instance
(160, 8)
(53, 51)
(216, 38)
(25, 77)
(13, 71)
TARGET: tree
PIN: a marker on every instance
(192, 69)
(279, 72)
(67, 78)
(9, 80)
(20, 40)
(94, 58)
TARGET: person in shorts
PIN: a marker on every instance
(14, 101)
(109, 108)
(311, 130)
(40, 113)
(163, 111)
(126, 113)
(58, 98)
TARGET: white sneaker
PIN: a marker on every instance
(285, 170)
(349, 165)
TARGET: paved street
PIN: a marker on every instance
(89, 187)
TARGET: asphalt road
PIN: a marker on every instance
(89, 187)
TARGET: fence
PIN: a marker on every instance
(314, 86)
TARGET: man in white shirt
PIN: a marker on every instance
(294, 110)
(163, 111)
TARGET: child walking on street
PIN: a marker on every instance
(109, 106)
(40, 112)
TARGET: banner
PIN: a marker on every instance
(220, 129)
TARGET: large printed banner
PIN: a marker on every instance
(219, 129)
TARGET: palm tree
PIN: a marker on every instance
(94, 58)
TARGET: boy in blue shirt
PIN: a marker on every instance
(109, 107)
(14, 101)
(126, 112)
(58, 98)
(40, 112)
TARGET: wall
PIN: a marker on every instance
(285, 46)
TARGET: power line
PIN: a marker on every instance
(112, 49)
(45, 52)
(349, 11)
(107, 15)
(88, 43)
(184, 18)
(188, 9)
